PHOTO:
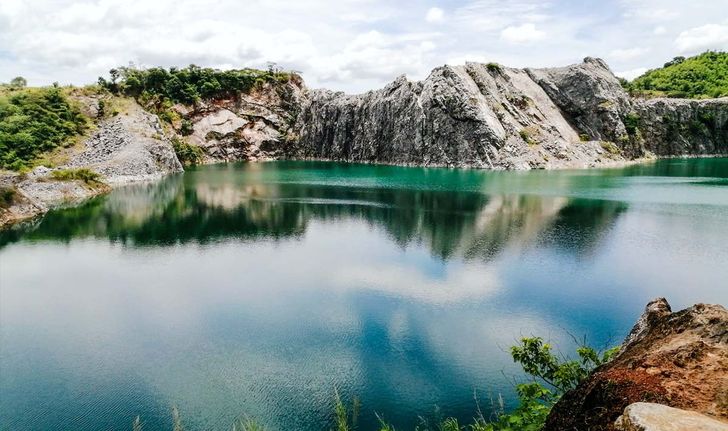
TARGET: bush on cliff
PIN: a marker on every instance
(187, 85)
(34, 121)
(701, 76)
(187, 153)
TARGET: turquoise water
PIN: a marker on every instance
(257, 289)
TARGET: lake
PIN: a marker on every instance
(258, 289)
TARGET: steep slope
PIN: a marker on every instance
(674, 358)
(476, 115)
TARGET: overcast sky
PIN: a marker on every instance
(350, 45)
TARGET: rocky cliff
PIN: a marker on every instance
(476, 115)
(129, 147)
(678, 359)
(489, 116)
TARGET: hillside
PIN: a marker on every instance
(700, 77)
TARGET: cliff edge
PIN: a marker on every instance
(678, 359)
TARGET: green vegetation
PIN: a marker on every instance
(7, 196)
(527, 135)
(187, 153)
(551, 377)
(34, 121)
(610, 147)
(493, 67)
(698, 77)
(631, 123)
(18, 82)
(187, 85)
(83, 174)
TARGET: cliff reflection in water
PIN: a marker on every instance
(448, 211)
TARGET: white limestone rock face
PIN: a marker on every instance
(657, 417)
(476, 115)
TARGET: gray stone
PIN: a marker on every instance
(657, 417)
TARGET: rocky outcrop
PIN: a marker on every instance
(253, 126)
(656, 417)
(129, 147)
(677, 359)
(489, 116)
(477, 115)
(680, 127)
(589, 95)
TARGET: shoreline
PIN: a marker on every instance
(73, 193)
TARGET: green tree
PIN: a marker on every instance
(701, 76)
(18, 82)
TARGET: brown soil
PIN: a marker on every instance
(677, 359)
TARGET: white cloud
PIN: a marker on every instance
(351, 45)
(709, 36)
(524, 33)
(632, 73)
(627, 54)
(435, 14)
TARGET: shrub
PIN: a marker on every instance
(631, 123)
(187, 85)
(526, 135)
(7, 196)
(493, 67)
(610, 147)
(186, 127)
(83, 174)
(187, 153)
(35, 121)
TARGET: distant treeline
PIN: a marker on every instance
(699, 77)
(188, 85)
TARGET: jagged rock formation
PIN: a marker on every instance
(476, 115)
(676, 359)
(656, 417)
(682, 127)
(254, 126)
(489, 116)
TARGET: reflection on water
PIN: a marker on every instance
(257, 288)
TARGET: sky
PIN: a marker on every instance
(348, 45)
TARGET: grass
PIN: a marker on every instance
(610, 147)
(527, 135)
(82, 174)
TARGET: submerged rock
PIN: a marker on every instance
(656, 417)
(677, 359)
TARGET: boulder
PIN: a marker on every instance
(657, 417)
